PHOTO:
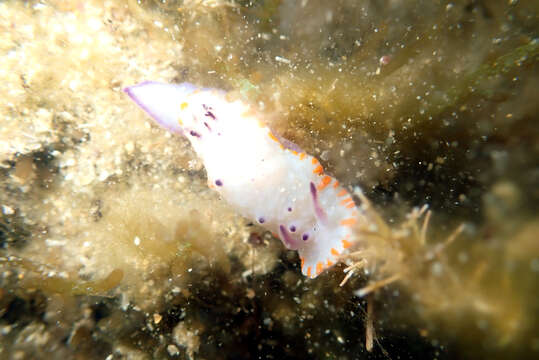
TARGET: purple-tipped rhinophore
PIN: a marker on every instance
(161, 101)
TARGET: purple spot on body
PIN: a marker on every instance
(289, 209)
(208, 126)
(305, 237)
(261, 220)
(208, 111)
(194, 133)
(293, 228)
(219, 182)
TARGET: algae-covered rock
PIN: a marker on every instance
(112, 246)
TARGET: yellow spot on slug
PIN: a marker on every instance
(347, 200)
(183, 105)
(329, 262)
(319, 267)
(318, 170)
(272, 137)
(346, 244)
(302, 262)
(180, 121)
(326, 180)
(309, 271)
(348, 222)
(335, 184)
(334, 252)
(342, 193)
(351, 205)
(302, 156)
(314, 161)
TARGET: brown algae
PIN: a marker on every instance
(110, 238)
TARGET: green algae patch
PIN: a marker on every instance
(40, 277)
(415, 102)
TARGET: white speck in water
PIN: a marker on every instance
(136, 241)
(103, 175)
(129, 147)
(52, 242)
(437, 269)
(325, 155)
(7, 210)
(282, 60)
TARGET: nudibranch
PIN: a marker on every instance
(264, 177)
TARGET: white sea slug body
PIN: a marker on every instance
(277, 186)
